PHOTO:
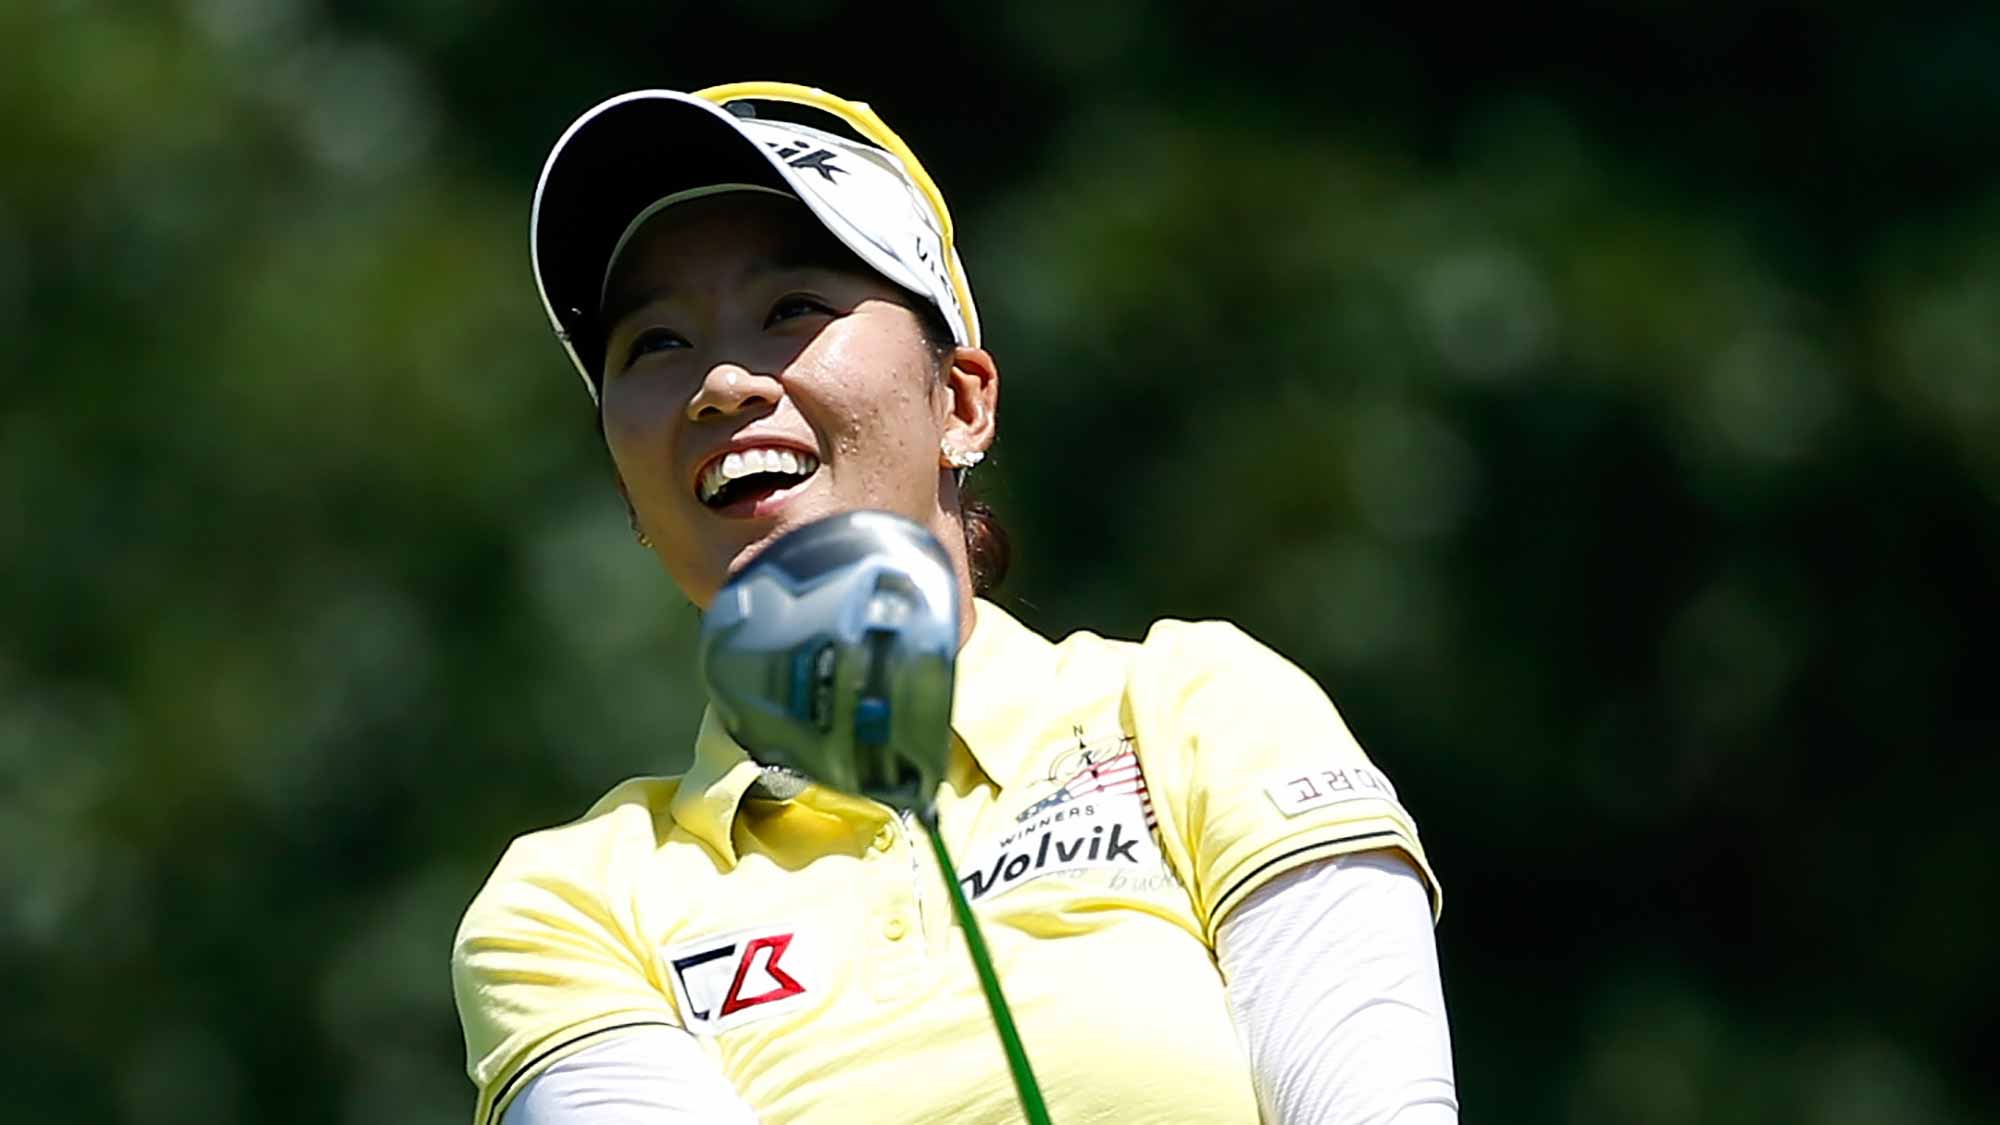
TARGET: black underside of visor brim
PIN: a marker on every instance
(614, 166)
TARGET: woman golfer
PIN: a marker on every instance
(1205, 903)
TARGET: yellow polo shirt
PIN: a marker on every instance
(1107, 803)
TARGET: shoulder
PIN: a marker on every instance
(1185, 673)
(1198, 687)
(1179, 663)
(1168, 643)
(635, 814)
(585, 857)
(1200, 643)
(549, 953)
(1195, 660)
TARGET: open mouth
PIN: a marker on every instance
(752, 475)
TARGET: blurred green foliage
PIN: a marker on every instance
(1604, 405)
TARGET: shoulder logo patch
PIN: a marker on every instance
(728, 980)
(1295, 791)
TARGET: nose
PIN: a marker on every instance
(729, 389)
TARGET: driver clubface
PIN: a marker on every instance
(832, 653)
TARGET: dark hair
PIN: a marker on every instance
(988, 549)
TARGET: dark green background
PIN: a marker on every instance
(1604, 406)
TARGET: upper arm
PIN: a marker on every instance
(544, 963)
(1332, 977)
(644, 1076)
(1251, 768)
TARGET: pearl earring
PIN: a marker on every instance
(960, 458)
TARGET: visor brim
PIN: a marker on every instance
(615, 161)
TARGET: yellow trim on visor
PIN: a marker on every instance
(871, 127)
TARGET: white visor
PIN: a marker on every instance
(632, 156)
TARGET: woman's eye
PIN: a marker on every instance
(650, 341)
(797, 304)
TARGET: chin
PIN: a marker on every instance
(800, 512)
(742, 555)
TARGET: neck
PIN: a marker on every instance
(948, 524)
(971, 611)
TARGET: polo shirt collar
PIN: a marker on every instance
(706, 802)
(1004, 668)
(1005, 672)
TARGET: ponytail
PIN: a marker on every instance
(988, 549)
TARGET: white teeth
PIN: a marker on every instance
(749, 462)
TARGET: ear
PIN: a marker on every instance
(972, 390)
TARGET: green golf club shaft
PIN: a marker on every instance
(1010, 1039)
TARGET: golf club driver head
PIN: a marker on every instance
(833, 651)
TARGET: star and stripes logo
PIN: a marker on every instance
(1087, 769)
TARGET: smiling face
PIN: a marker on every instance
(758, 376)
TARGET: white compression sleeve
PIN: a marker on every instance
(643, 1076)
(1333, 980)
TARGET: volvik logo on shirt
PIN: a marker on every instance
(728, 980)
(1099, 819)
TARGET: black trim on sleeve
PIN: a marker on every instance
(1223, 904)
(500, 1095)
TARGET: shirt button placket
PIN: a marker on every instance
(901, 971)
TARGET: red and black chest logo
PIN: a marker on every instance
(731, 979)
